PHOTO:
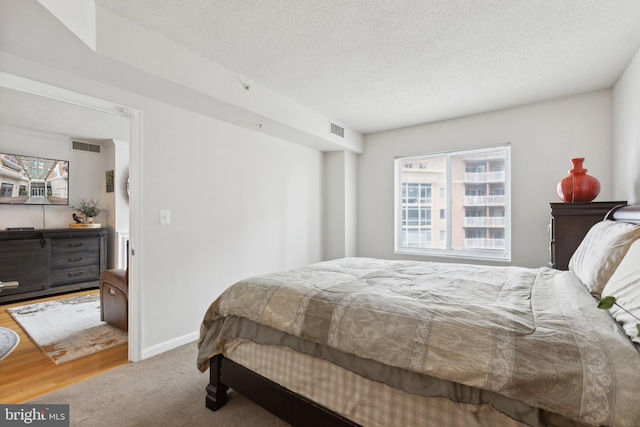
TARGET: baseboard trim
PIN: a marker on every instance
(169, 345)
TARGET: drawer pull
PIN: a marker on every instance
(75, 274)
(74, 245)
(75, 259)
(9, 285)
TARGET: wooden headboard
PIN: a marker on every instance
(625, 213)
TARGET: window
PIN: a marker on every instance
(6, 189)
(416, 214)
(474, 204)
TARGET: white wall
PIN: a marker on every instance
(340, 204)
(86, 178)
(543, 137)
(334, 205)
(242, 203)
(626, 133)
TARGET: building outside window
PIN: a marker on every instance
(473, 207)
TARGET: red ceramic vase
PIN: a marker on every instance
(578, 186)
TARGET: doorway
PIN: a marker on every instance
(47, 93)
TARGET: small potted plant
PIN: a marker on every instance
(89, 209)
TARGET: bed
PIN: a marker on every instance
(362, 341)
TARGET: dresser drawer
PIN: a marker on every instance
(74, 275)
(84, 244)
(74, 259)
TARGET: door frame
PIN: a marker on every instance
(135, 191)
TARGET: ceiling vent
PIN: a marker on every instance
(337, 130)
(84, 146)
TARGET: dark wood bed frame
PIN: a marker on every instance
(289, 406)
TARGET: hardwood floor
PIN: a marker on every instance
(28, 372)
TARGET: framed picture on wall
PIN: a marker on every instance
(109, 179)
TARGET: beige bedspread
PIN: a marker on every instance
(534, 335)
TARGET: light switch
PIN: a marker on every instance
(165, 217)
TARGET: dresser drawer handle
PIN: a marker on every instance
(75, 274)
(75, 259)
(74, 245)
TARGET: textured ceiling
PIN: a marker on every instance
(374, 65)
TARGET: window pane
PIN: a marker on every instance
(418, 184)
(473, 203)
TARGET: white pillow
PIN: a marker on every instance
(601, 251)
(624, 285)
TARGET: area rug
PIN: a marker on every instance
(69, 328)
(8, 342)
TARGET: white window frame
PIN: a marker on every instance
(500, 254)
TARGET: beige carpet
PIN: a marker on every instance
(164, 390)
(69, 328)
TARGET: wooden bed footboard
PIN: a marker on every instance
(291, 407)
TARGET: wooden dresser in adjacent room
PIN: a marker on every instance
(49, 262)
(569, 223)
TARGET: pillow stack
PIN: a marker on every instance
(624, 285)
(600, 252)
(608, 263)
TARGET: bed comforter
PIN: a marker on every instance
(533, 335)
